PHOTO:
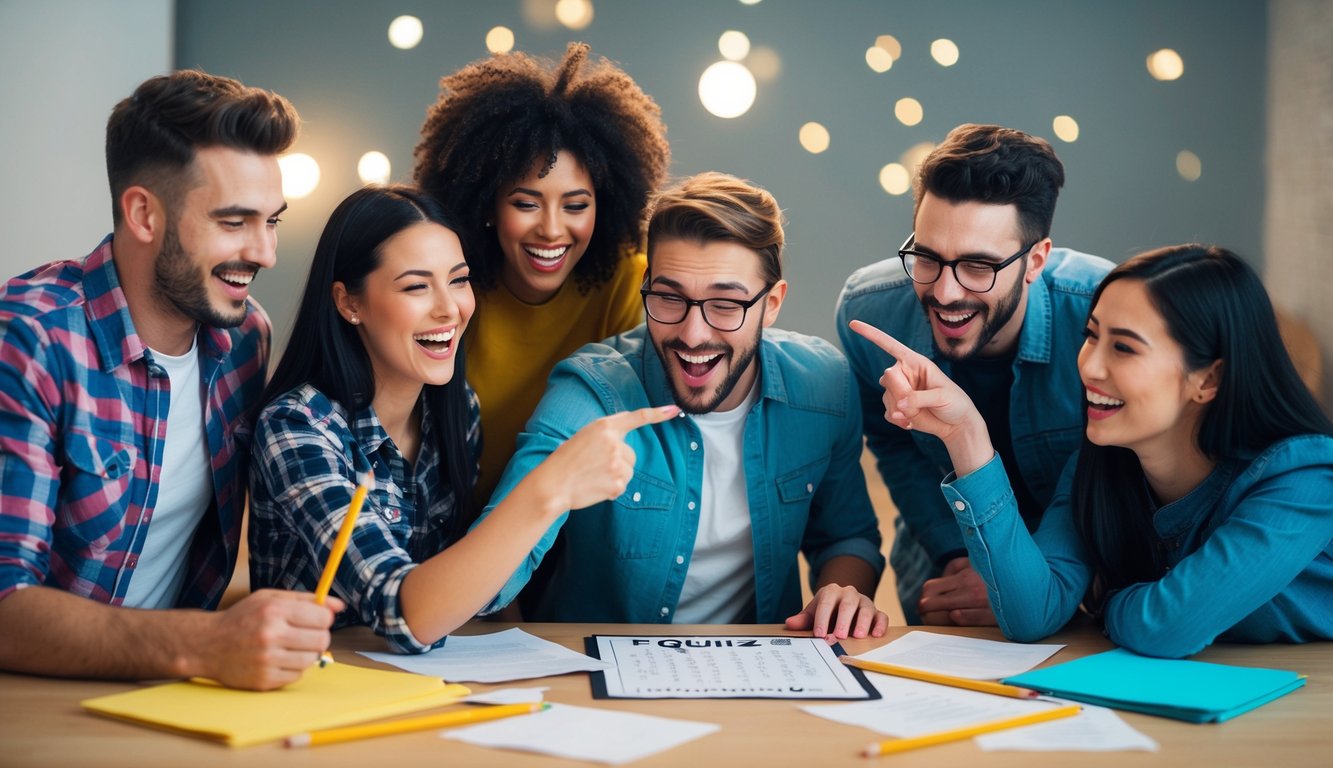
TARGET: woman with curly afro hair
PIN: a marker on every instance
(548, 168)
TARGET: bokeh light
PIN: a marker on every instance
(500, 40)
(1065, 127)
(915, 156)
(575, 14)
(405, 32)
(733, 45)
(1188, 165)
(908, 111)
(890, 43)
(1165, 64)
(300, 175)
(374, 168)
(764, 63)
(727, 89)
(894, 179)
(878, 59)
(944, 52)
(814, 138)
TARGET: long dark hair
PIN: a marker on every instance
(327, 353)
(1215, 307)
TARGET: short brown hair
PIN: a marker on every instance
(712, 207)
(996, 165)
(152, 136)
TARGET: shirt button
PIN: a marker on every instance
(690, 505)
(665, 610)
(694, 446)
(809, 487)
(637, 496)
(960, 506)
(680, 559)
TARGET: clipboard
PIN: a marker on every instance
(724, 667)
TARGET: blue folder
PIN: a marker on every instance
(1195, 691)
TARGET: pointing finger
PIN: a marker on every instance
(883, 340)
(628, 421)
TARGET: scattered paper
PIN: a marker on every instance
(1095, 729)
(913, 708)
(962, 656)
(583, 733)
(509, 696)
(495, 658)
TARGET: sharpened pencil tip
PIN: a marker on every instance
(297, 741)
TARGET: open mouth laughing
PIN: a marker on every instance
(438, 343)
(548, 259)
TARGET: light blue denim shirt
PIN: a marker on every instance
(1045, 404)
(625, 560)
(1249, 556)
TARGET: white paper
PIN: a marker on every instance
(725, 667)
(1095, 729)
(962, 656)
(913, 708)
(508, 696)
(583, 733)
(498, 657)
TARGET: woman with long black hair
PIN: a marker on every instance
(1200, 506)
(371, 391)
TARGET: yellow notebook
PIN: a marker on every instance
(323, 698)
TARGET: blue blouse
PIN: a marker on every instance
(1249, 556)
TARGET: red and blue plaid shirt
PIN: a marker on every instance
(83, 420)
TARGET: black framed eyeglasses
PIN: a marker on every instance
(975, 275)
(724, 315)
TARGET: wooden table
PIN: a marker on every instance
(41, 723)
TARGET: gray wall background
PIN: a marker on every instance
(1022, 62)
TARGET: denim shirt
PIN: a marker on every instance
(1045, 403)
(1248, 556)
(625, 560)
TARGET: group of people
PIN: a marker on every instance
(563, 386)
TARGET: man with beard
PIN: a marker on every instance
(123, 378)
(761, 465)
(1003, 316)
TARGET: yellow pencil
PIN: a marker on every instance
(900, 745)
(999, 689)
(336, 553)
(426, 722)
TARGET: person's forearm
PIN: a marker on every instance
(50, 632)
(969, 446)
(849, 571)
(447, 590)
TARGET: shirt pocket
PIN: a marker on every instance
(639, 517)
(95, 486)
(796, 492)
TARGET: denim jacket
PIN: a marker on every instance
(625, 560)
(1248, 556)
(1045, 404)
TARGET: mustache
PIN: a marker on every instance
(676, 345)
(955, 308)
(236, 266)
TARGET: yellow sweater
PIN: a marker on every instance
(512, 347)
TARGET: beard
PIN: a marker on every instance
(995, 320)
(696, 401)
(180, 285)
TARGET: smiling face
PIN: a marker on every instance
(1139, 394)
(226, 231)
(412, 310)
(544, 225)
(964, 323)
(710, 370)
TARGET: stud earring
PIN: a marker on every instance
(490, 224)
(355, 321)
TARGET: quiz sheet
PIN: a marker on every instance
(720, 667)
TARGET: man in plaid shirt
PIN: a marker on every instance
(123, 378)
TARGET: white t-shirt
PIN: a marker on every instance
(719, 585)
(184, 492)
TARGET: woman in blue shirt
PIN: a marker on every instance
(1200, 505)
(371, 390)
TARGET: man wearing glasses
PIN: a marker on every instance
(978, 288)
(762, 464)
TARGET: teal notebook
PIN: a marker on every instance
(1195, 691)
